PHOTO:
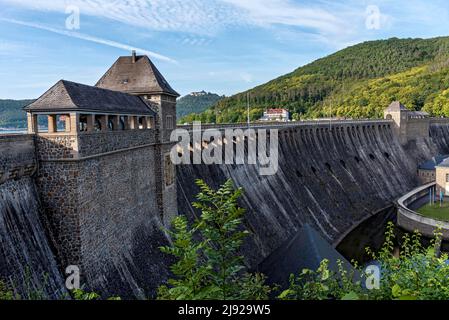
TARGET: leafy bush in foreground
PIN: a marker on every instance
(209, 265)
(417, 273)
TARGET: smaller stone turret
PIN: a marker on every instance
(408, 125)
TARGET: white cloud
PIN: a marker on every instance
(196, 16)
(16, 50)
(199, 16)
(7, 47)
(327, 21)
(247, 77)
(285, 12)
(86, 37)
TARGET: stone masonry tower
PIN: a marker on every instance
(105, 179)
(137, 75)
(408, 125)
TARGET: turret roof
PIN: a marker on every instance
(396, 106)
(136, 75)
(67, 96)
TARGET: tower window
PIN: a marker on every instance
(169, 122)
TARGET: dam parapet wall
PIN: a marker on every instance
(17, 157)
(288, 125)
(331, 176)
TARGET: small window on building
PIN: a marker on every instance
(142, 121)
(122, 125)
(83, 123)
(111, 124)
(447, 177)
(169, 122)
(97, 123)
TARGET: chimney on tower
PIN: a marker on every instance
(134, 56)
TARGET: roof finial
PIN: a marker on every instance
(134, 56)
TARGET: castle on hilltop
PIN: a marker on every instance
(105, 177)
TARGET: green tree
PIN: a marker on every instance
(209, 264)
(6, 293)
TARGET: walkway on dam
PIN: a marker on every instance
(284, 125)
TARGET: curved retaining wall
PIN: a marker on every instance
(411, 220)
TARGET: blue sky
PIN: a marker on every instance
(222, 46)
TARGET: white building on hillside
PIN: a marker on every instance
(276, 115)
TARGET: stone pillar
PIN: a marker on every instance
(74, 119)
(126, 122)
(68, 124)
(104, 122)
(90, 122)
(144, 123)
(115, 122)
(134, 122)
(52, 125)
(150, 122)
(32, 123)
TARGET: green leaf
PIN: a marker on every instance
(396, 291)
(285, 294)
(350, 296)
(407, 297)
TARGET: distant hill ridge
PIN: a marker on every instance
(196, 102)
(356, 82)
(11, 113)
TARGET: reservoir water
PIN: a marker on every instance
(12, 131)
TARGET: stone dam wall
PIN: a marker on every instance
(330, 177)
(333, 178)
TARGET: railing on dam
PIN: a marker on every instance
(282, 125)
(411, 220)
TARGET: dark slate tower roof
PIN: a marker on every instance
(434, 162)
(305, 250)
(66, 96)
(135, 75)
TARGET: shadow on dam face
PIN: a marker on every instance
(369, 234)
